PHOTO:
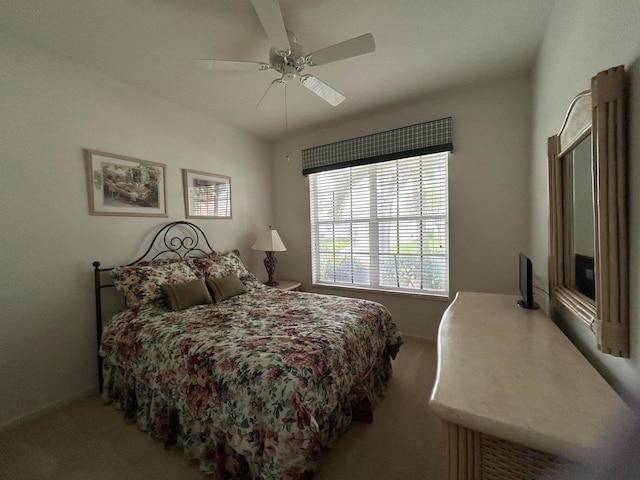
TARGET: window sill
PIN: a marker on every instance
(380, 291)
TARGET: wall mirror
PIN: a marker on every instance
(579, 211)
(588, 262)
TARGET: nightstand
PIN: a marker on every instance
(288, 285)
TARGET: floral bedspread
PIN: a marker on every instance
(254, 386)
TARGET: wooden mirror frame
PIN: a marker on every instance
(608, 316)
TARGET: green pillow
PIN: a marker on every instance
(225, 287)
(184, 295)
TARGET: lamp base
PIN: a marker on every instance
(272, 283)
(270, 263)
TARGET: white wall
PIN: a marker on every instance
(583, 38)
(50, 109)
(488, 194)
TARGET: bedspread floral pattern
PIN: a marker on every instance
(255, 386)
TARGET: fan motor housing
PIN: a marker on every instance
(288, 62)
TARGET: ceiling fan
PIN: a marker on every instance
(288, 58)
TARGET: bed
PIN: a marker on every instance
(250, 381)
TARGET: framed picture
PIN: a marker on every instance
(206, 195)
(125, 186)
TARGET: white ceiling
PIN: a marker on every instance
(422, 47)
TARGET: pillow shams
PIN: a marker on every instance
(184, 295)
(210, 266)
(222, 265)
(140, 284)
(236, 265)
(225, 287)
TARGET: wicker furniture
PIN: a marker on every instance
(517, 399)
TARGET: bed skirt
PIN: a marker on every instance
(153, 409)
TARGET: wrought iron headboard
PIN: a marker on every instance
(177, 240)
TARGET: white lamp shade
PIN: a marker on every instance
(269, 241)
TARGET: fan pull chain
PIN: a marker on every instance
(286, 123)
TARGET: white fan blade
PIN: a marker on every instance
(347, 49)
(323, 90)
(271, 97)
(271, 18)
(211, 64)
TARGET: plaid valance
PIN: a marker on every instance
(414, 140)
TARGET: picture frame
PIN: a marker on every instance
(206, 195)
(125, 186)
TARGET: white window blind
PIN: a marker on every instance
(382, 226)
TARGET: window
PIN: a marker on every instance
(382, 226)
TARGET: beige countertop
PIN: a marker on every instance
(512, 373)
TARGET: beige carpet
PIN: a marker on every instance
(88, 440)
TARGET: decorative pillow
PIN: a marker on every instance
(236, 265)
(210, 266)
(184, 295)
(225, 287)
(140, 283)
(222, 265)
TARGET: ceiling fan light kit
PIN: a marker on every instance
(287, 56)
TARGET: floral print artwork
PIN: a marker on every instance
(252, 387)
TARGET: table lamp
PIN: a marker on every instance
(269, 241)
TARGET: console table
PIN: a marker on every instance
(517, 399)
